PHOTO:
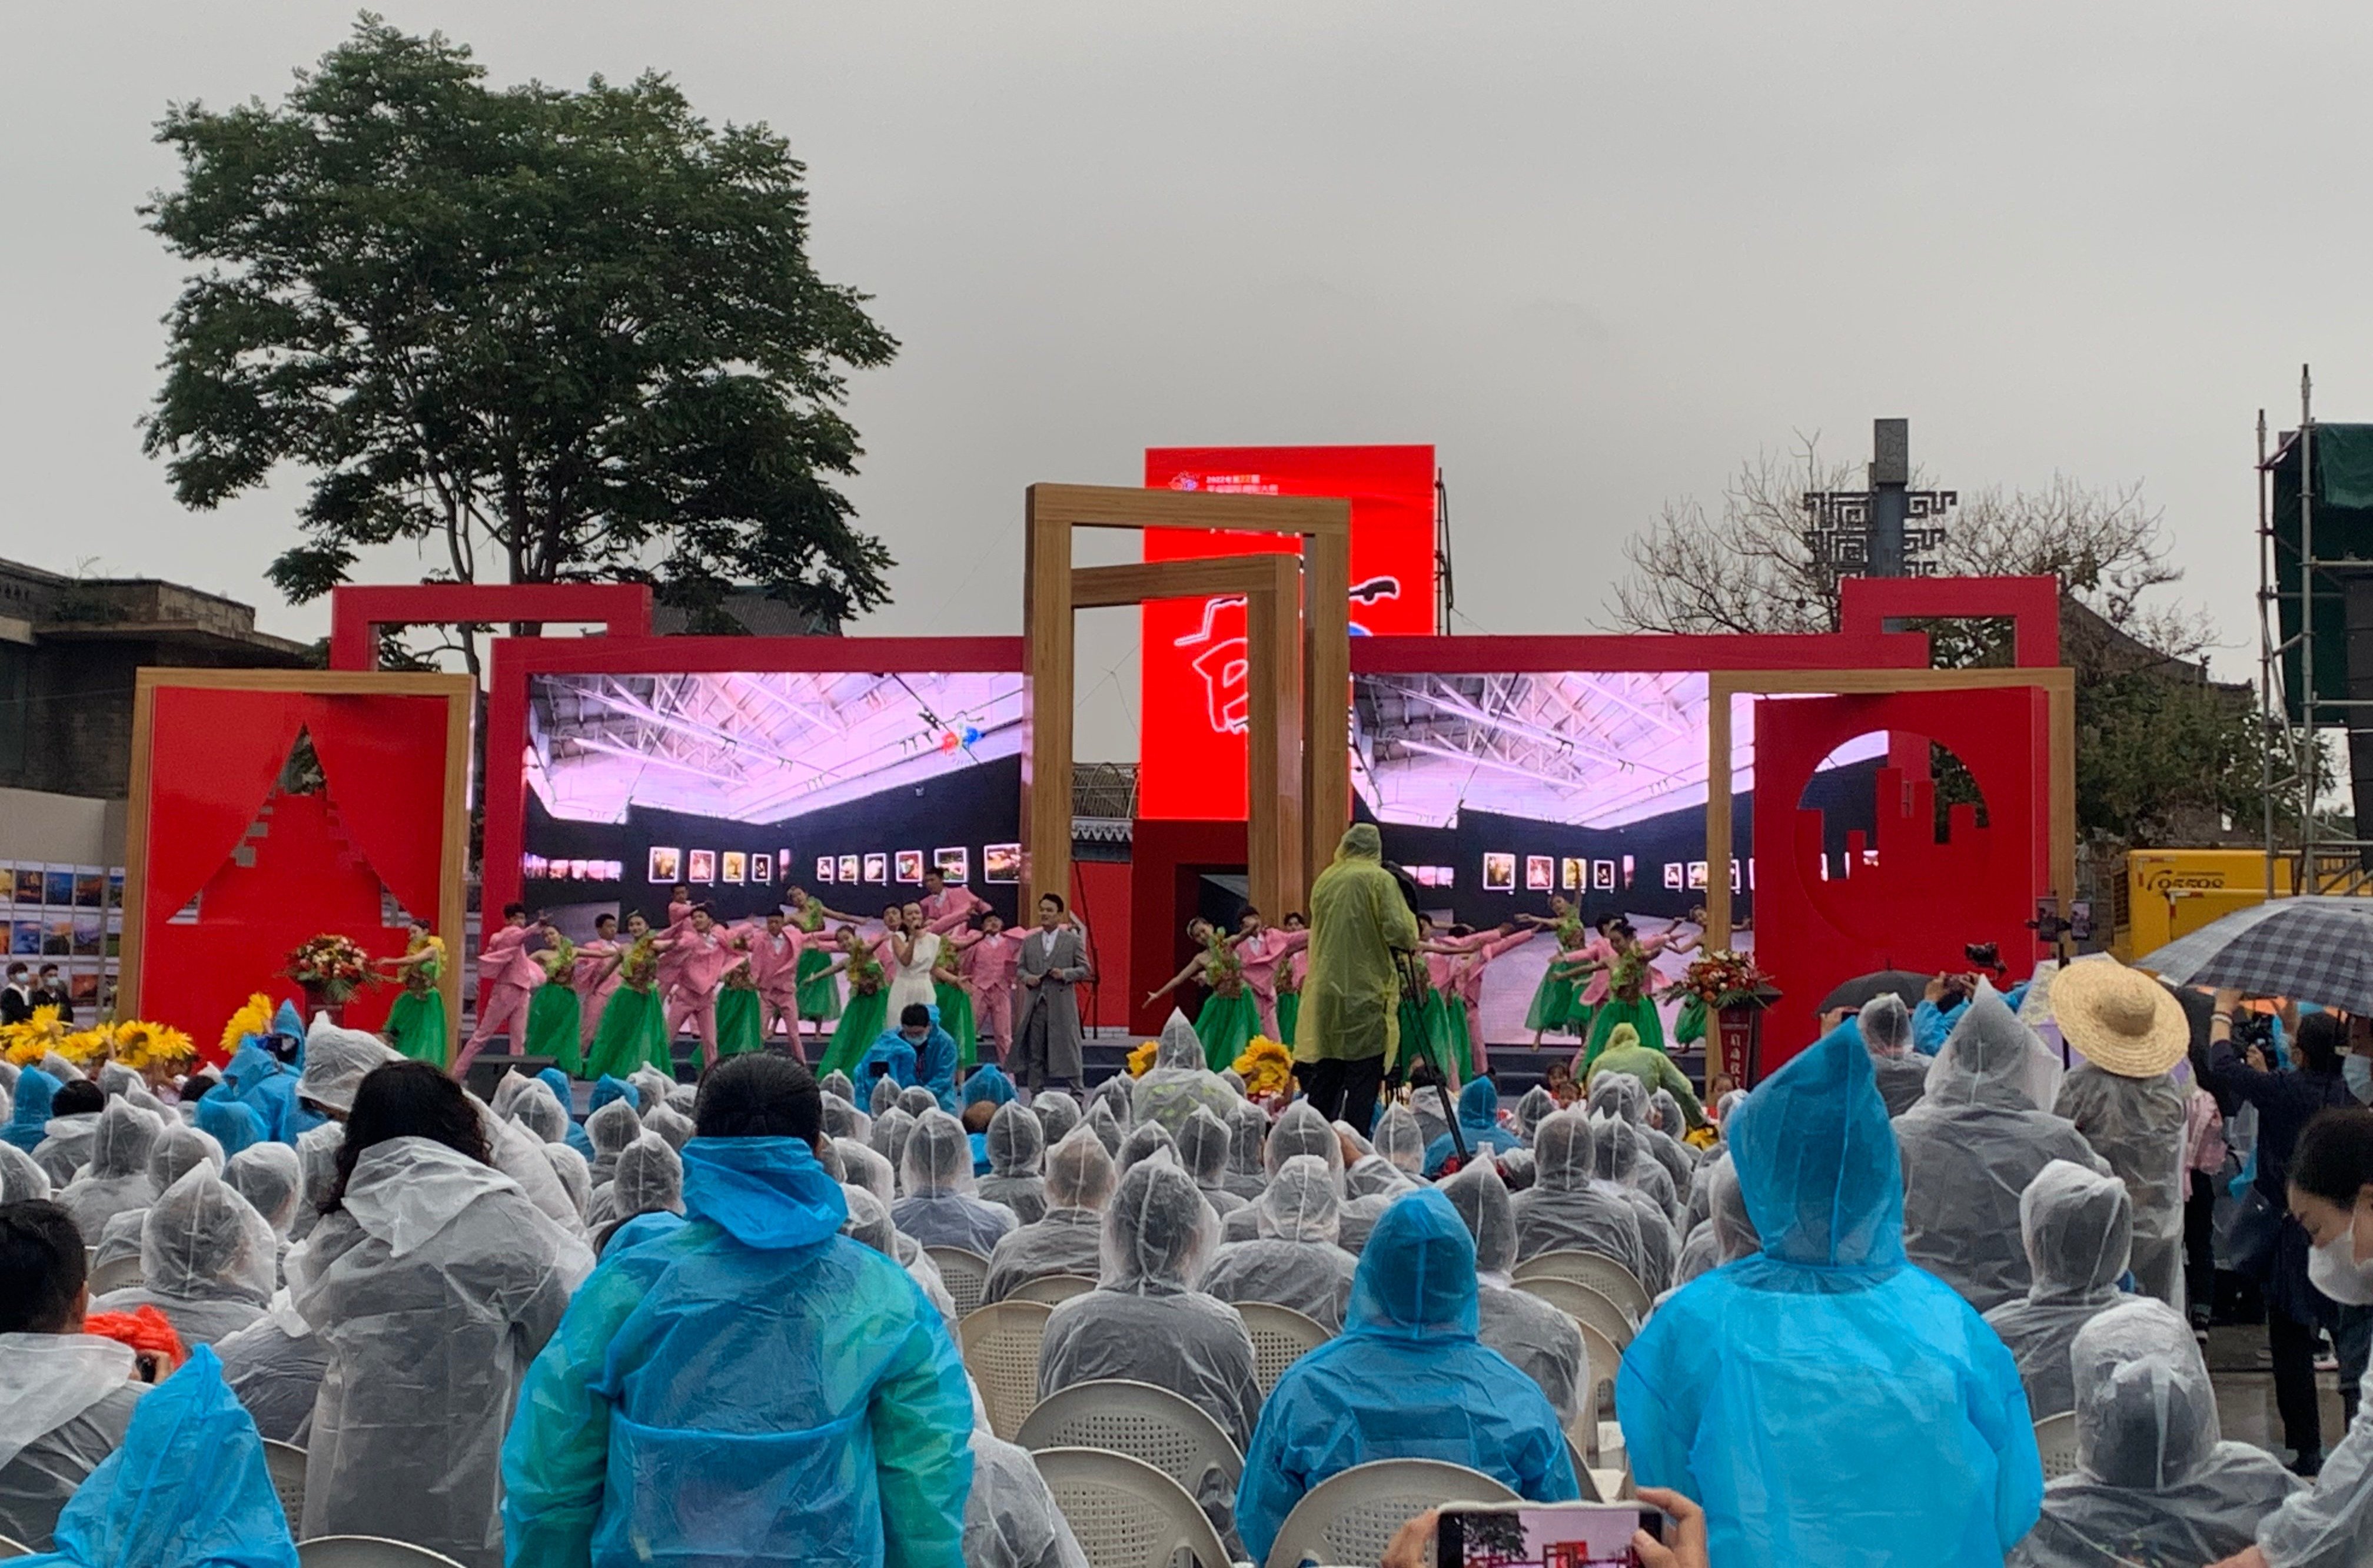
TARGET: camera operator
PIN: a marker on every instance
(1940, 1008)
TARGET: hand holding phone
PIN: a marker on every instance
(1587, 1535)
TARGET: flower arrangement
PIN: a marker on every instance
(1266, 1067)
(1720, 979)
(29, 1042)
(254, 1018)
(336, 966)
(142, 1046)
(1140, 1061)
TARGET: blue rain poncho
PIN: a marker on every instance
(186, 1488)
(1478, 1118)
(989, 1085)
(31, 1114)
(230, 1123)
(574, 1135)
(1828, 1404)
(754, 1386)
(1407, 1379)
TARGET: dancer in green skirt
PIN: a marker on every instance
(1553, 999)
(632, 1030)
(867, 1012)
(555, 1021)
(415, 1025)
(737, 1015)
(955, 1006)
(819, 993)
(1230, 1017)
(1629, 980)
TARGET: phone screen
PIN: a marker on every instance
(1552, 1535)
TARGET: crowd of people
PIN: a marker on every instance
(701, 1322)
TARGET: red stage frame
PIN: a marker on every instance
(356, 613)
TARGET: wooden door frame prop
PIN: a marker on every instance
(1053, 588)
(453, 846)
(2058, 684)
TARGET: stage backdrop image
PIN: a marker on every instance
(744, 784)
(1497, 791)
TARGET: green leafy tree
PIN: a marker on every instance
(547, 335)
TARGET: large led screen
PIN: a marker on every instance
(745, 784)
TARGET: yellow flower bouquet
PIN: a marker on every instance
(1266, 1067)
(1140, 1061)
(27, 1043)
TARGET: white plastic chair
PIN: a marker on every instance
(1582, 1305)
(1605, 1358)
(964, 1271)
(368, 1552)
(1000, 1344)
(1051, 1290)
(286, 1462)
(1124, 1512)
(2055, 1439)
(1349, 1517)
(1280, 1337)
(1142, 1422)
(115, 1274)
(1601, 1274)
(1581, 1474)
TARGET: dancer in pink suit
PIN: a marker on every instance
(940, 901)
(985, 959)
(679, 914)
(704, 958)
(515, 974)
(1467, 983)
(595, 977)
(1260, 947)
(775, 965)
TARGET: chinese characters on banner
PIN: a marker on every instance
(1191, 749)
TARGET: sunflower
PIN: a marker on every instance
(1266, 1067)
(36, 1037)
(255, 1018)
(142, 1045)
(86, 1046)
(1140, 1061)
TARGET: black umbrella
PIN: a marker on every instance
(1911, 987)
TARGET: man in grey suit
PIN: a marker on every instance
(1046, 1036)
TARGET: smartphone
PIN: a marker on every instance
(1555, 1535)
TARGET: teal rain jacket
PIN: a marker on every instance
(1479, 1120)
(1407, 1379)
(1828, 1403)
(185, 1489)
(752, 1387)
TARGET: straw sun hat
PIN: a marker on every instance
(2122, 1020)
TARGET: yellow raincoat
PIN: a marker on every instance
(1358, 921)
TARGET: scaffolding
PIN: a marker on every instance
(2326, 857)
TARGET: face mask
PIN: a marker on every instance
(2333, 1270)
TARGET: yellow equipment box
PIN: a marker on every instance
(2167, 892)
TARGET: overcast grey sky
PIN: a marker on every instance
(1596, 253)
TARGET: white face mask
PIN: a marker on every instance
(2333, 1270)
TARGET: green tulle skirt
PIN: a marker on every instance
(1553, 1003)
(629, 1034)
(554, 1018)
(819, 993)
(737, 1023)
(1640, 1013)
(1288, 1012)
(861, 1022)
(1690, 1025)
(956, 1018)
(1444, 1022)
(1226, 1025)
(415, 1026)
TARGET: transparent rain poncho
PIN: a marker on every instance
(1408, 1378)
(844, 1122)
(836, 1084)
(575, 1175)
(1621, 1167)
(670, 1124)
(65, 1145)
(860, 1166)
(753, 1386)
(1010, 1518)
(650, 1180)
(1145, 1321)
(884, 1096)
(1144, 1141)
(1869, 1416)
(269, 1177)
(1623, 1097)
(1884, 1026)
(1070, 1238)
(1972, 1146)
(1293, 1262)
(2138, 1124)
(1727, 1232)
(64, 1402)
(317, 1161)
(434, 1285)
(1567, 1208)
(336, 1062)
(1533, 1107)
(1300, 1130)
(206, 1260)
(941, 1206)
(116, 1181)
(611, 1128)
(1541, 1340)
(1179, 1083)
(2155, 1483)
(651, 1087)
(1117, 1095)
(20, 1179)
(274, 1366)
(918, 1102)
(870, 1222)
(1248, 1132)
(2078, 1228)
(534, 1108)
(1400, 1139)
(1203, 1149)
(1017, 1153)
(1057, 1113)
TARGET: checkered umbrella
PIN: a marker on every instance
(2310, 949)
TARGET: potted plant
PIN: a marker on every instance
(1729, 986)
(329, 969)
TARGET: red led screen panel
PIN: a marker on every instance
(1191, 727)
